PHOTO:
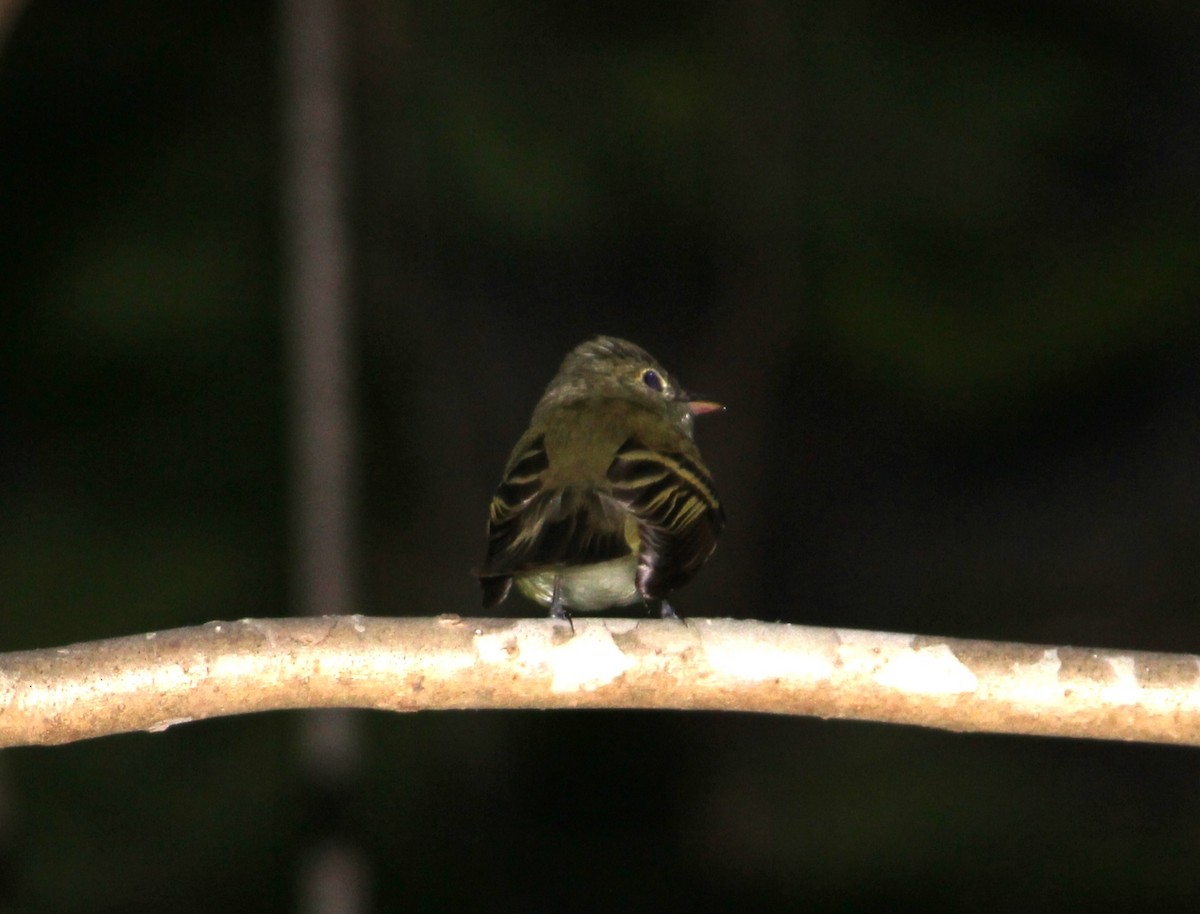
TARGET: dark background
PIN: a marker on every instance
(940, 261)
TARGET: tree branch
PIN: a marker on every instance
(156, 680)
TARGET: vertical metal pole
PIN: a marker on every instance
(10, 10)
(333, 873)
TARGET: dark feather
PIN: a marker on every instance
(677, 511)
(530, 527)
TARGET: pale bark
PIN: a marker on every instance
(155, 680)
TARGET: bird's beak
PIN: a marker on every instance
(700, 407)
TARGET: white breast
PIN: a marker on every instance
(585, 588)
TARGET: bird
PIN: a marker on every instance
(604, 501)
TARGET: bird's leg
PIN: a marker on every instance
(666, 610)
(557, 609)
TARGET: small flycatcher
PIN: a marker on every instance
(605, 500)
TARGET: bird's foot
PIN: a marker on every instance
(558, 609)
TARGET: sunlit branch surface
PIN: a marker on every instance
(159, 679)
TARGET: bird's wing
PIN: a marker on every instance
(678, 514)
(533, 526)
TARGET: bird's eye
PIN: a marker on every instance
(652, 379)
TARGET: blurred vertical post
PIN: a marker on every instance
(9, 10)
(9, 13)
(333, 872)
